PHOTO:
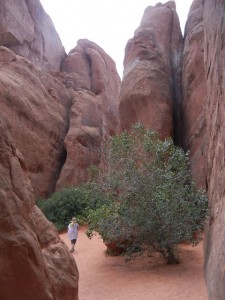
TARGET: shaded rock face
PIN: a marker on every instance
(214, 45)
(95, 86)
(35, 107)
(27, 29)
(152, 71)
(35, 264)
(83, 140)
(194, 93)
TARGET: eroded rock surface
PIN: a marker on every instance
(194, 93)
(214, 45)
(35, 263)
(28, 30)
(38, 109)
(95, 86)
(35, 107)
(152, 68)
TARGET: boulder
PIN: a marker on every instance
(194, 93)
(35, 107)
(152, 71)
(35, 263)
(28, 31)
(214, 55)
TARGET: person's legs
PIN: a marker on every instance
(73, 242)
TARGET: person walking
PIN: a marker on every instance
(73, 233)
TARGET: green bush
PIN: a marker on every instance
(150, 198)
(70, 202)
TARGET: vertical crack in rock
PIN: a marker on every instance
(63, 155)
(175, 61)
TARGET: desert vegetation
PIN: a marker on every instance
(142, 199)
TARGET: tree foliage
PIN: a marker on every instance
(150, 199)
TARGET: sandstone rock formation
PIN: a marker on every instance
(152, 71)
(35, 264)
(37, 111)
(53, 126)
(27, 29)
(95, 86)
(35, 107)
(194, 93)
(214, 45)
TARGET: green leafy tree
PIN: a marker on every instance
(151, 202)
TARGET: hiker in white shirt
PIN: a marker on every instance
(72, 233)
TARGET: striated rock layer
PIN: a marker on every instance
(214, 45)
(151, 84)
(35, 264)
(95, 85)
(35, 107)
(194, 93)
(27, 29)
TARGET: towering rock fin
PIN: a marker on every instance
(152, 71)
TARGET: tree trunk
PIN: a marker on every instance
(171, 257)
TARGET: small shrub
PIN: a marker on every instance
(69, 202)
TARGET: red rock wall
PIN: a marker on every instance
(95, 86)
(214, 12)
(194, 93)
(27, 29)
(35, 264)
(48, 121)
(57, 122)
(35, 107)
(152, 69)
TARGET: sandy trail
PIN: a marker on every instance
(103, 277)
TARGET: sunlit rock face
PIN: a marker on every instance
(95, 86)
(193, 102)
(35, 263)
(27, 29)
(35, 107)
(151, 83)
(214, 47)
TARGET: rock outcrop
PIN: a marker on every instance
(95, 86)
(35, 264)
(57, 122)
(35, 107)
(194, 93)
(214, 45)
(48, 120)
(152, 71)
(28, 31)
